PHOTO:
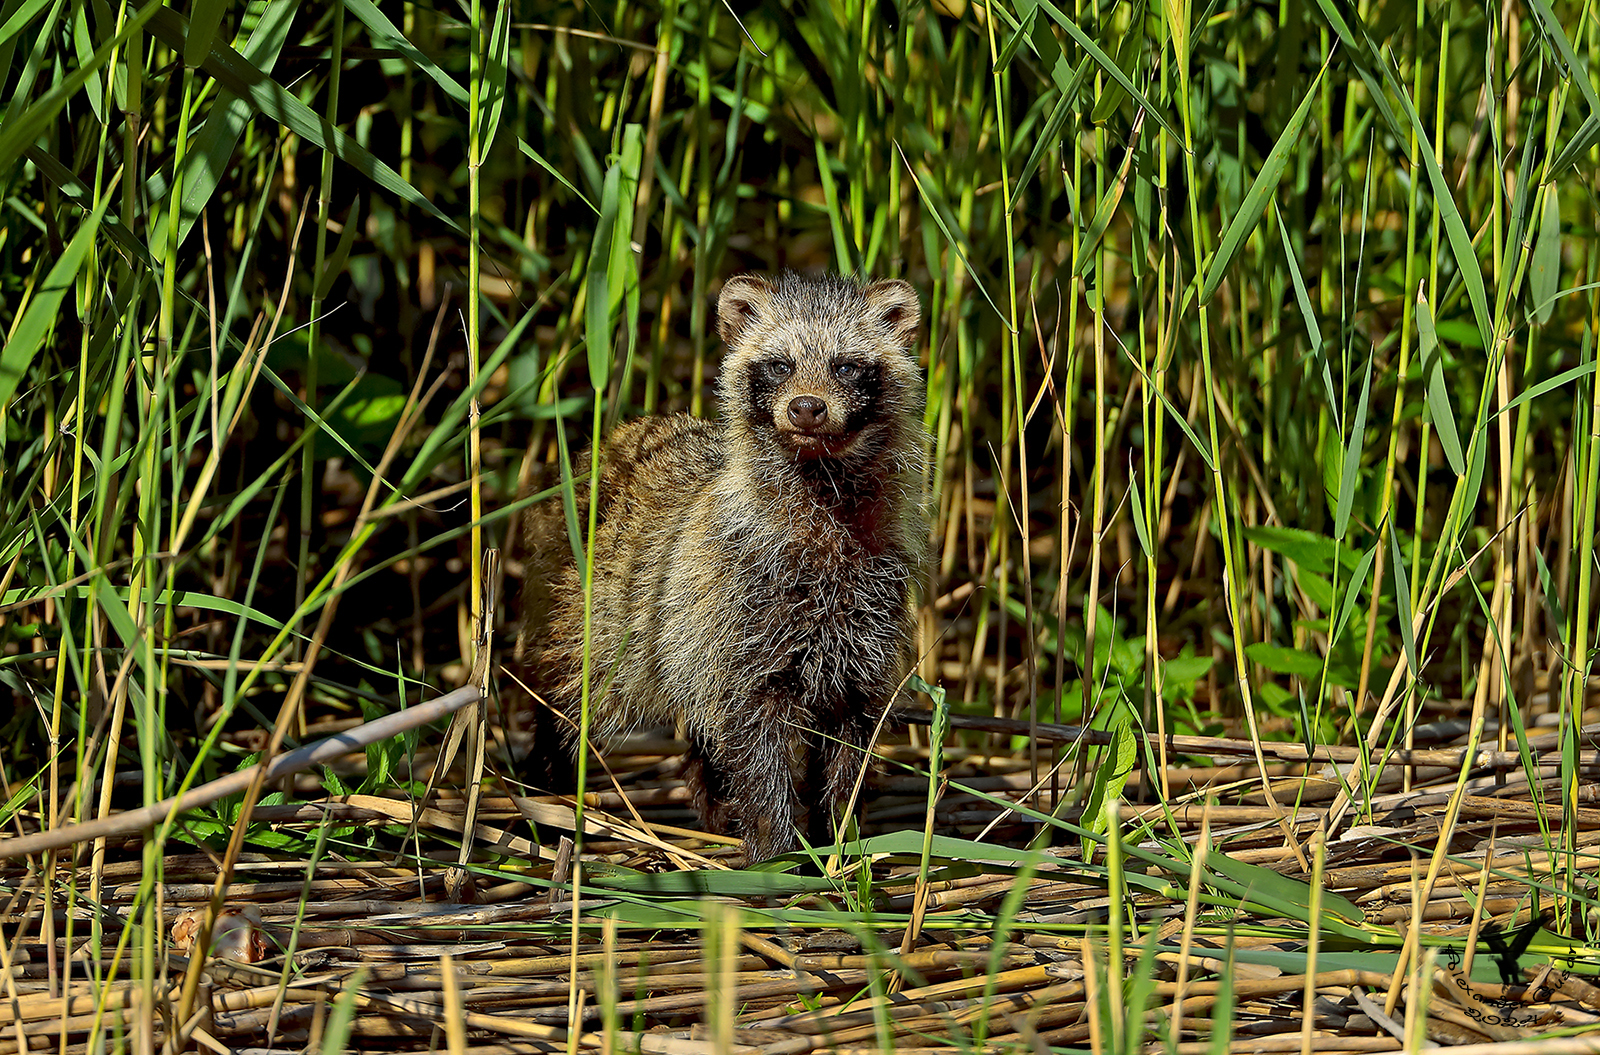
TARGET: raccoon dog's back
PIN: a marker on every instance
(754, 577)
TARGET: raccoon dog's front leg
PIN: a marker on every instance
(835, 766)
(707, 783)
(756, 754)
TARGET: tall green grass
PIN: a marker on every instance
(1259, 345)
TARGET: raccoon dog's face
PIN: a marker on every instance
(821, 366)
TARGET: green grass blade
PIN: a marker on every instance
(1352, 457)
(1108, 64)
(240, 76)
(1402, 590)
(1444, 416)
(39, 318)
(1261, 191)
(1544, 270)
(204, 18)
(385, 34)
(22, 127)
(496, 64)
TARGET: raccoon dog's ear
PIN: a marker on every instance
(744, 299)
(895, 305)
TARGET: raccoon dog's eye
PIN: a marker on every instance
(778, 369)
(846, 371)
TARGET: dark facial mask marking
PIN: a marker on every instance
(867, 405)
(764, 385)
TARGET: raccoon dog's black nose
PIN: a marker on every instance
(807, 412)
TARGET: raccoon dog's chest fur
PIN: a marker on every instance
(754, 577)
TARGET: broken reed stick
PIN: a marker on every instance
(1283, 751)
(341, 743)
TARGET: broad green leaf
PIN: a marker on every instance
(1582, 141)
(39, 317)
(236, 73)
(1272, 887)
(1111, 776)
(1255, 200)
(1309, 550)
(1438, 395)
(1284, 660)
(204, 18)
(21, 17)
(1544, 269)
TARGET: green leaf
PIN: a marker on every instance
(607, 275)
(1352, 457)
(1545, 386)
(1548, 594)
(1575, 71)
(385, 34)
(1367, 58)
(1255, 201)
(497, 61)
(21, 17)
(1351, 590)
(1016, 40)
(1444, 417)
(1128, 49)
(1106, 209)
(1275, 889)
(1309, 550)
(939, 210)
(1402, 592)
(1582, 141)
(240, 76)
(211, 150)
(333, 266)
(22, 127)
(1544, 270)
(1140, 527)
(1104, 61)
(39, 318)
(205, 16)
(1284, 660)
(1111, 776)
(542, 163)
(711, 883)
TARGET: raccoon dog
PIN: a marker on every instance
(754, 577)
